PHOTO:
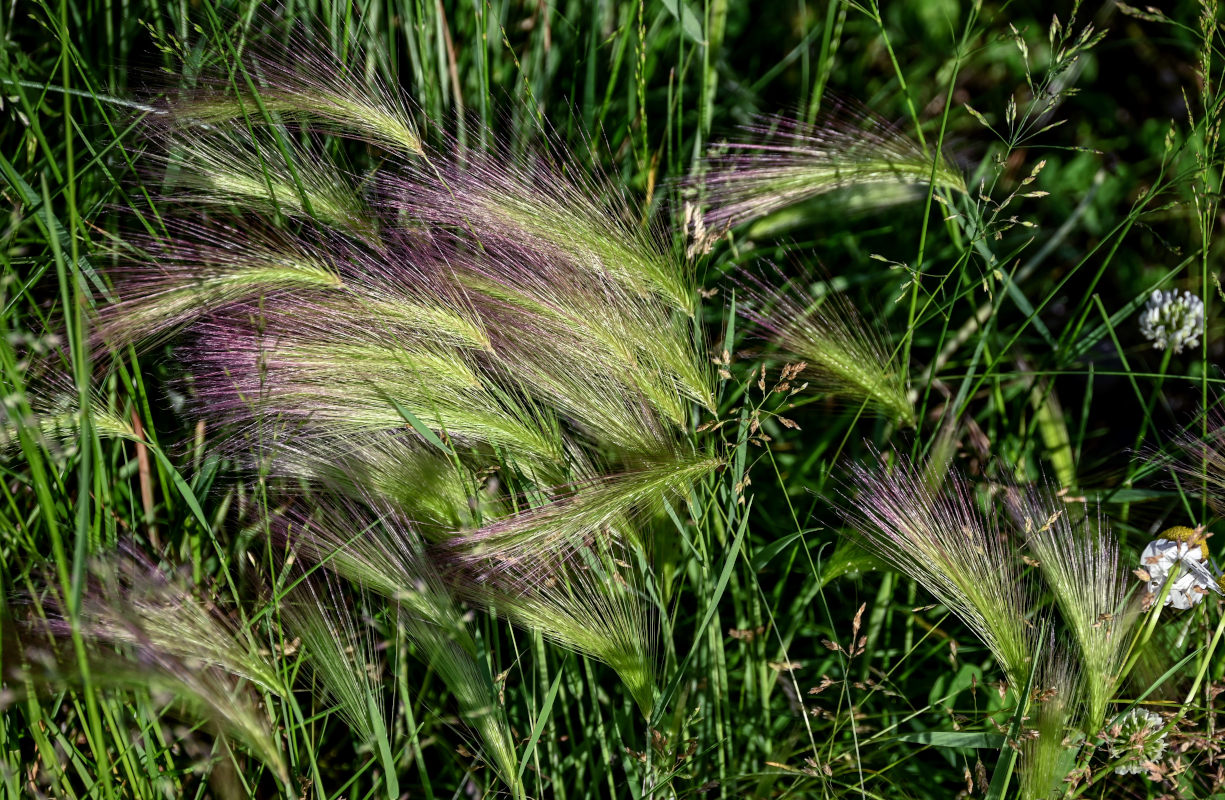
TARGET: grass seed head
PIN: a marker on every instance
(1055, 710)
(151, 630)
(300, 81)
(789, 161)
(842, 353)
(1078, 557)
(942, 540)
(378, 549)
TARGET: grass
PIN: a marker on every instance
(624, 399)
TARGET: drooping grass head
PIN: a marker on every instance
(392, 340)
(785, 161)
(943, 539)
(843, 354)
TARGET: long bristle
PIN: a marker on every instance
(1079, 558)
(376, 548)
(152, 630)
(787, 161)
(301, 81)
(842, 353)
(944, 542)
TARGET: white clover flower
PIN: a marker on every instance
(1132, 738)
(1172, 320)
(1185, 548)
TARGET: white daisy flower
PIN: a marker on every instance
(1185, 548)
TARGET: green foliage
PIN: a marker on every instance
(421, 554)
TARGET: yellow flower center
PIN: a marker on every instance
(1188, 536)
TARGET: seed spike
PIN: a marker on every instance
(787, 161)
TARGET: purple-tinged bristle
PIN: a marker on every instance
(784, 161)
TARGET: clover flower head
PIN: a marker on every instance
(1172, 319)
(1183, 547)
(1133, 738)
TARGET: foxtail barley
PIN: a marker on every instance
(942, 540)
(1078, 557)
(842, 353)
(149, 630)
(788, 161)
(300, 81)
(378, 549)
(1054, 712)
